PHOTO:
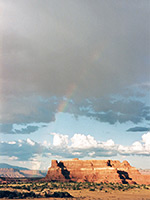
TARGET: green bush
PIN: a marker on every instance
(61, 195)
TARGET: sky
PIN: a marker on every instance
(74, 81)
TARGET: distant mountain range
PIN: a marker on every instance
(4, 165)
(7, 170)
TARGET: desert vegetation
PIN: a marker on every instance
(21, 190)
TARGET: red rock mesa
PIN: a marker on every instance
(95, 171)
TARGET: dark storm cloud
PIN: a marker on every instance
(106, 110)
(138, 129)
(101, 47)
(122, 111)
(91, 44)
(43, 110)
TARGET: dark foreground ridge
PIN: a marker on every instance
(24, 195)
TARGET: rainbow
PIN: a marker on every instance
(69, 94)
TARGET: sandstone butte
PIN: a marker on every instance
(95, 171)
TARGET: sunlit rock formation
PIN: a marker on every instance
(95, 171)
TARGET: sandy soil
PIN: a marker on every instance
(115, 195)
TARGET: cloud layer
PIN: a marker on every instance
(138, 129)
(110, 110)
(78, 146)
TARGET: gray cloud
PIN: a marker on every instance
(8, 128)
(46, 49)
(99, 47)
(28, 129)
(121, 111)
(106, 110)
(138, 129)
(81, 153)
(27, 109)
(147, 118)
(22, 150)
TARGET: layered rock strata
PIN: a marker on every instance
(95, 171)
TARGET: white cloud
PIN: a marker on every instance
(109, 143)
(13, 158)
(35, 164)
(46, 144)
(31, 142)
(81, 141)
(91, 153)
(12, 142)
(146, 140)
(137, 148)
(81, 146)
(60, 140)
(20, 143)
(76, 153)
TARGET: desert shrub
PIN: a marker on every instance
(113, 188)
(17, 187)
(28, 188)
(92, 189)
(131, 186)
(101, 188)
(47, 194)
(145, 187)
(53, 185)
(119, 187)
(74, 187)
(98, 184)
(61, 195)
(78, 186)
(43, 187)
(89, 184)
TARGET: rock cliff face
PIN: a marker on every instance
(95, 171)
